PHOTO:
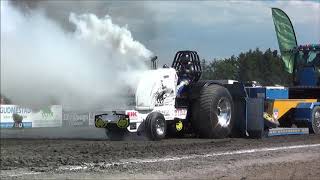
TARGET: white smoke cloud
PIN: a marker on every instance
(90, 68)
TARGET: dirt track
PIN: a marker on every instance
(295, 157)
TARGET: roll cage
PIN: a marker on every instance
(195, 63)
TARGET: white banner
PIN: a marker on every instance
(70, 118)
(13, 116)
(75, 118)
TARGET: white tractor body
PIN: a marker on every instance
(156, 92)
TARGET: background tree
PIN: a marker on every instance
(254, 65)
(4, 100)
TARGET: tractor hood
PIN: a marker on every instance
(153, 83)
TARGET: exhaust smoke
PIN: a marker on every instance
(90, 68)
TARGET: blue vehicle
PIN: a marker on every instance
(296, 109)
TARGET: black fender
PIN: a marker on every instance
(237, 89)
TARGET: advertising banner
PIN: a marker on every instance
(13, 116)
(78, 119)
(91, 118)
(75, 119)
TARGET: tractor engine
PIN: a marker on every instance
(156, 88)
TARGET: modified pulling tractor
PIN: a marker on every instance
(174, 98)
(175, 101)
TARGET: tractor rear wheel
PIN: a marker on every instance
(212, 114)
(316, 120)
(155, 126)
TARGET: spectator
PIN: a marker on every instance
(2, 101)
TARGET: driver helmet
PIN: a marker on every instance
(185, 59)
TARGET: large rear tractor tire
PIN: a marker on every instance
(316, 120)
(155, 126)
(212, 113)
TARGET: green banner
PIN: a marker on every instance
(286, 37)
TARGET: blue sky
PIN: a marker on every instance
(218, 29)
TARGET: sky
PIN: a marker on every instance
(216, 29)
(221, 29)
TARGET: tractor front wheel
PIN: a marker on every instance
(155, 126)
(116, 134)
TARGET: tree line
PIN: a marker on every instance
(265, 67)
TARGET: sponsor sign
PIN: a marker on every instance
(16, 125)
(181, 113)
(91, 118)
(13, 116)
(75, 119)
(133, 115)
